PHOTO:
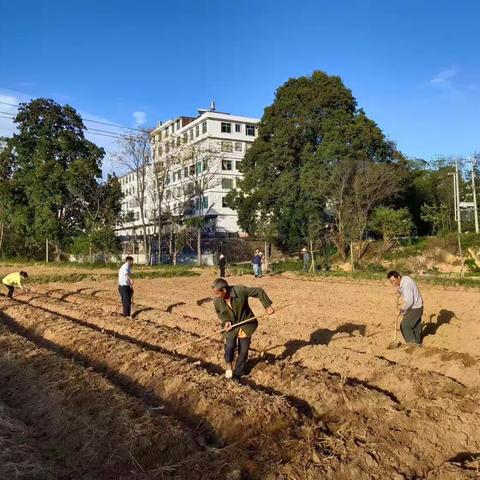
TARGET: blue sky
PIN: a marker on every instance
(413, 65)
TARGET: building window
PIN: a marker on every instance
(178, 141)
(160, 151)
(166, 132)
(204, 127)
(239, 165)
(238, 127)
(205, 165)
(197, 131)
(178, 124)
(198, 168)
(185, 172)
(238, 146)
(226, 127)
(250, 130)
(167, 147)
(247, 146)
(226, 165)
(227, 147)
(191, 133)
(205, 203)
(192, 170)
(224, 202)
(185, 138)
(179, 174)
(227, 183)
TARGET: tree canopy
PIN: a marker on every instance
(318, 158)
(50, 179)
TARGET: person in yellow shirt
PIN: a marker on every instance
(13, 280)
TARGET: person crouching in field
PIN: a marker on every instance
(125, 286)
(14, 280)
(412, 309)
(231, 305)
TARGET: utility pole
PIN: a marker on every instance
(456, 181)
(475, 209)
(457, 198)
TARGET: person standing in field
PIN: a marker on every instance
(412, 309)
(306, 259)
(222, 262)
(257, 264)
(231, 305)
(14, 280)
(125, 286)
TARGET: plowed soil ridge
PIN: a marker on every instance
(88, 426)
(345, 406)
(19, 457)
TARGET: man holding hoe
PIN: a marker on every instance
(412, 309)
(125, 286)
(231, 305)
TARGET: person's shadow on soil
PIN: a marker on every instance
(322, 336)
(444, 317)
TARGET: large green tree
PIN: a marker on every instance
(317, 157)
(44, 168)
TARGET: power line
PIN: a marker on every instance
(90, 130)
(85, 119)
(103, 135)
(113, 125)
(98, 132)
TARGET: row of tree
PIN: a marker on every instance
(320, 167)
(319, 170)
(181, 207)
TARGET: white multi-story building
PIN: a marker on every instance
(199, 159)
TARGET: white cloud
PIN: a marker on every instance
(444, 78)
(140, 118)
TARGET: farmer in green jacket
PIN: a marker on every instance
(231, 305)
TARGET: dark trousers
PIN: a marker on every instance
(242, 344)
(126, 296)
(222, 272)
(10, 291)
(411, 326)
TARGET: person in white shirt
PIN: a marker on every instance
(125, 286)
(412, 309)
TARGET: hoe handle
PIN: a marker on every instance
(218, 332)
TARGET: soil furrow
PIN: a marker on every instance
(19, 455)
(84, 423)
(321, 394)
(169, 376)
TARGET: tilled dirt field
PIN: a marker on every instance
(99, 396)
